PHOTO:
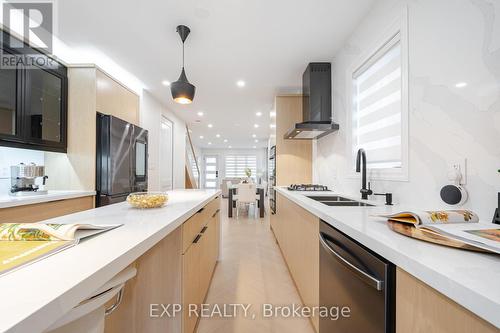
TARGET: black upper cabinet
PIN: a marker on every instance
(33, 106)
(10, 103)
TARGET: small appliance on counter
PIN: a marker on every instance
(22, 179)
(308, 187)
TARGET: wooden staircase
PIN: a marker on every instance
(192, 170)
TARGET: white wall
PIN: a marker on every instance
(450, 41)
(221, 153)
(150, 118)
(14, 156)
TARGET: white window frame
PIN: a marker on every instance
(398, 29)
(254, 172)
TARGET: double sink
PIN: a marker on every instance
(335, 200)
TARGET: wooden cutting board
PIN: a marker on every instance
(432, 237)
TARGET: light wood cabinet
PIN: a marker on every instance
(158, 281)
(90, 90)
(422, 309)
(45, 210)
(293, 157)
(115, 99)
(166, 274)
(297, 233)
(199, 261)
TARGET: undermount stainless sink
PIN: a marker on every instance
(336, 200)
(328, 198)
(346, 203)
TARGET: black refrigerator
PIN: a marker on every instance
(121, 161)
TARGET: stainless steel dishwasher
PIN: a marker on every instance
(355, 277)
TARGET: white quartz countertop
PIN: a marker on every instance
(7, 200)
(35, 296)
(471, 279)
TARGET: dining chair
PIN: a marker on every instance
(246, 196)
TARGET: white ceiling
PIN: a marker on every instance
(266, 43)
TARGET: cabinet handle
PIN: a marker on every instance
(115, 305)
(364, 276)
(201, 209)
(197, 239)
(216, 212)
(204, 229)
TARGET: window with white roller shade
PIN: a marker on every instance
(235, 165)
(377, 122)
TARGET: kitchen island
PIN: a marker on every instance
(37, 295)
(462, 279)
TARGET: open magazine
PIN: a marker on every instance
(460, 225)
(24, 243)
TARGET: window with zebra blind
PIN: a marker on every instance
(235, 165)
(380, 110)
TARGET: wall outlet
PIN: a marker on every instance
(459, 166)
(4, 172)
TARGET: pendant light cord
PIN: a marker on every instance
(182, 54)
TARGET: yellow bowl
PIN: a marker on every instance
(147, 199)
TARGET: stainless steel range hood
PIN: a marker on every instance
(316, 104)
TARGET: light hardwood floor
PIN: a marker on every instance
(252, 271)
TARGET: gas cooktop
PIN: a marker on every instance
(307, 187)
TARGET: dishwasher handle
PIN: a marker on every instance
(367, 278)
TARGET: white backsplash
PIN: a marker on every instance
(450, 41)
(13, 156)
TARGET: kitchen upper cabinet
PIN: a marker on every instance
(33, 104)
(45, 108)
(10, 104)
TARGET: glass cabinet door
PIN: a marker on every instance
(9, 108)
(44, 114)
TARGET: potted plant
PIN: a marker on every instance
(248, 173)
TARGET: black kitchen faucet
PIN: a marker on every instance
(361, 167)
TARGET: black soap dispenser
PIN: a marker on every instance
(496, 217)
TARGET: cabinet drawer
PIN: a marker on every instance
(192, 227)
(212, 207)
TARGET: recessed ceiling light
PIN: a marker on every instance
(272, 125)
(254, 147)
(256, 125)
(200, 113)
(225, 140)
(240, 83)
(230, 147)
(217, 135)
(210, 125)
(201, 136)
(258, 114)
(272, 114)
(256, 140)
(461, 84)
(165, 83)
(254, 136)
(210, 143)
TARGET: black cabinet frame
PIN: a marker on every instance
(22, 138)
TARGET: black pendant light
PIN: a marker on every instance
(182, 90)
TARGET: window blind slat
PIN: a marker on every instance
(377, 108)
(235, 165)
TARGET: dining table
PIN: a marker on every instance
(260, 190)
